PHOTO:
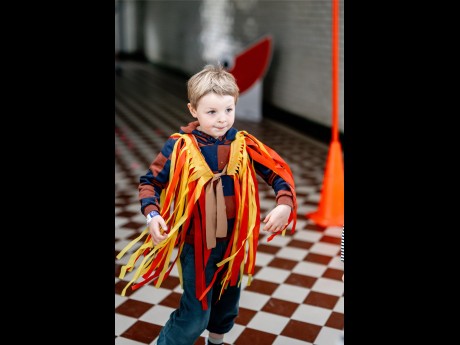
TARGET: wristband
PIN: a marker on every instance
(151, 215)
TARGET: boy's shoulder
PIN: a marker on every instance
(231, 134)
(189, 128)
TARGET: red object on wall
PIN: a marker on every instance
(251, 64)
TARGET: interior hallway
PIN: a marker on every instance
(296, 296)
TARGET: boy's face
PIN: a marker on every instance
(216, 114)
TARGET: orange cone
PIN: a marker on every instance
(331, 206)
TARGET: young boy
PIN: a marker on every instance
(200, 195)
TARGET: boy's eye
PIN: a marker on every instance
(229, 110)
(211, 112)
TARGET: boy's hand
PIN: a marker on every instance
(157, 226)
(277, 219)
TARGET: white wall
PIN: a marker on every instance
(126, 20)
(185, 34)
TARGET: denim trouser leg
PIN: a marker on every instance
(225, 310)
(186, 323)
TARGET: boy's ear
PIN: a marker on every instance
(191, 109)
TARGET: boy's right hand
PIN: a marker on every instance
(157, 228)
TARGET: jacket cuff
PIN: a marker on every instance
(285, 200)
(150, 208)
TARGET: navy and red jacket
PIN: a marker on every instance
(216, 153)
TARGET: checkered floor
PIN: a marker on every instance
(296, 297)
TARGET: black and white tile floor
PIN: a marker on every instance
(296, 297)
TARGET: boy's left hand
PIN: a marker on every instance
(277, 219)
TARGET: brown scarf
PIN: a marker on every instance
(216, 215)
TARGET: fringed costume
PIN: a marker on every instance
(184, 204)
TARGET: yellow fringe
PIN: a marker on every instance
(177, 205)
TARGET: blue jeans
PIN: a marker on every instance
(186, 323)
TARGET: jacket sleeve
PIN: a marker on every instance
(281, 187)
(155, 179)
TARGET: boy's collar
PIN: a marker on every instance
(192, 126)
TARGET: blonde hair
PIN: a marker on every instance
(212, 78)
